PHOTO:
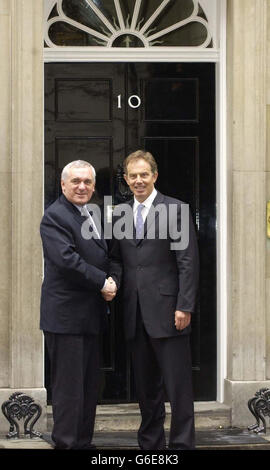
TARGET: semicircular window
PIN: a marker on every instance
(127, 23)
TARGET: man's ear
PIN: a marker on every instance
(125, 178)
(63, 186)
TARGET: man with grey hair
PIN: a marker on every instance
(77, 164)
(73, 306)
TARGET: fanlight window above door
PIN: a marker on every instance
(127, 23)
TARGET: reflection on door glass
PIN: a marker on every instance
(192, 34)
(82, 12)
(128, 23)
(64, 34)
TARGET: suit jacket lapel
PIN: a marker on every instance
(74, 211)
(80, 219)
(149, 220)
(100, 241)
(151, 216)
(131, 203)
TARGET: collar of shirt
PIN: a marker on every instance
(89, 216)
(78, 207)
(147, 204)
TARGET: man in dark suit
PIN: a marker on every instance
(73, 309)
(159, 279)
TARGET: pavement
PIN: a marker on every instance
(206, 439)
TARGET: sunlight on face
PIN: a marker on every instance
(79, 185)
(140, 179)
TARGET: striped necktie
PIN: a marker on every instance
(139, 223)
(85, 213)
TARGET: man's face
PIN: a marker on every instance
(79, 185)
(140, 179)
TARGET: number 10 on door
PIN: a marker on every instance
(134, 101)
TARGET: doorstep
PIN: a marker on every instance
(230, 439)
(126, 417)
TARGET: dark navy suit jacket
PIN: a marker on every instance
(161, 279)
(74, 273)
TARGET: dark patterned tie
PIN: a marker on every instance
(85, 213)
(139, 223)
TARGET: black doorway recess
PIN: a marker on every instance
(100, 112)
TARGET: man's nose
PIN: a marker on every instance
(82, 185)
(138, 179)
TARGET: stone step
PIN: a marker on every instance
(126, 417)
(206, 439)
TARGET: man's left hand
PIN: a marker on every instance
(109, 290)
(182, 319)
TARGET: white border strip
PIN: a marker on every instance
(132, 54)
(222, 225)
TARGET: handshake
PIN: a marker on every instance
(109, 289)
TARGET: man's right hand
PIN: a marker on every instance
(109, 290)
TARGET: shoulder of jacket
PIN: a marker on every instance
(57, 210)
(123, 206)
(173, 200)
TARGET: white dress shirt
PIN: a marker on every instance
(84, 211)
(147, 204)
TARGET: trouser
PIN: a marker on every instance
(75, 373)
(163, 364)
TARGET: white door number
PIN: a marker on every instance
(134, 101)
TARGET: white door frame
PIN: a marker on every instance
(185, 54)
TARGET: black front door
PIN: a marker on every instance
(102, 112)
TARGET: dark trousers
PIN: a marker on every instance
(74, 362)
(163, 364)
